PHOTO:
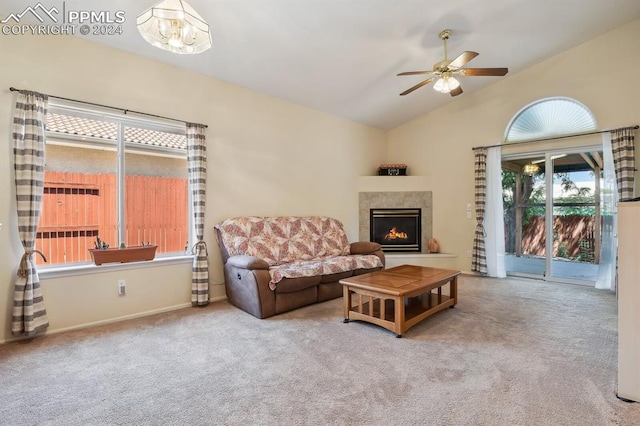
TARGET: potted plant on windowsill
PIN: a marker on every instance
(103, 254)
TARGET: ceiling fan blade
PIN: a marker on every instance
(462, 59)
(457, 91)
(417, 86)
(415, 72)
(484, 72)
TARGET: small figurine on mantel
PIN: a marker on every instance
(434, 247)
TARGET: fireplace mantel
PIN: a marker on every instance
(393, 183)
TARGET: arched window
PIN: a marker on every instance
(548, 118)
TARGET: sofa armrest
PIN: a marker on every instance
(368, 247)
(247, 262)
(365, 247)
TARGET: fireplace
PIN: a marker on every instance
(397, 230)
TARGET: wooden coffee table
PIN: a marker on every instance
(399, 298)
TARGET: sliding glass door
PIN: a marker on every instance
(552, 215)
(524, 188)
(576, 217)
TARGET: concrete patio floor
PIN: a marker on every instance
(531, 265)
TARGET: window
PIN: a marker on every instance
(550, 117)
(115, 177)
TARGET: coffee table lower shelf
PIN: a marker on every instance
(384, 314)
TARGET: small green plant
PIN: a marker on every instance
(101, 245)
(562, 250)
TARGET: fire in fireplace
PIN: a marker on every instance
(396, 229)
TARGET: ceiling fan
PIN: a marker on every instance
(445, 70)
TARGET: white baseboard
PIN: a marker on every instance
(111, 320)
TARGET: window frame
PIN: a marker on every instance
(121, 147)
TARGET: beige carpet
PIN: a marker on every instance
(513, 352)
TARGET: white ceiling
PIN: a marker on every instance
(342, 56)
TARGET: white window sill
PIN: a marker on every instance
(60, 271)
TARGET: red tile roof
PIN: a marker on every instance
(84, 127)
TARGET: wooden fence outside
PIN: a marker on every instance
(574, 237)
(78, 207)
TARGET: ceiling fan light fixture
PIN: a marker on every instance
(446, 84)
(530, 169)
(173, 25)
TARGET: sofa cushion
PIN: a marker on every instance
(333, 278)
(364, 271)
(289, 285)
(285, 239)
(323, 266)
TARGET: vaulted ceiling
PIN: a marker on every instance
(342, 56)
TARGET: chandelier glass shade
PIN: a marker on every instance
(446, 84)
(175, 26)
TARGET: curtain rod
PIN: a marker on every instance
(13, 89)
(575, 135)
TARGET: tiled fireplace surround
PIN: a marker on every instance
(396, 200)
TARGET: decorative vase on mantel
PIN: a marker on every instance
(433, 245)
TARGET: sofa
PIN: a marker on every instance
(276, 264)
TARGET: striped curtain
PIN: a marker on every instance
(29, 316)
(197, 171)
(479, 259)
(622, 147)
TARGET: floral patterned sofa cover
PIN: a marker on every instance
(276, 264)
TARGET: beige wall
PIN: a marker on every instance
(268, 156)
(599, 73)
(265, 156)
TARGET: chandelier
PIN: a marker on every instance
(175, 26)
(530, 169)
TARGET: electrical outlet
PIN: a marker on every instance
(122, 287)
(468, 253)
(468, 215)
